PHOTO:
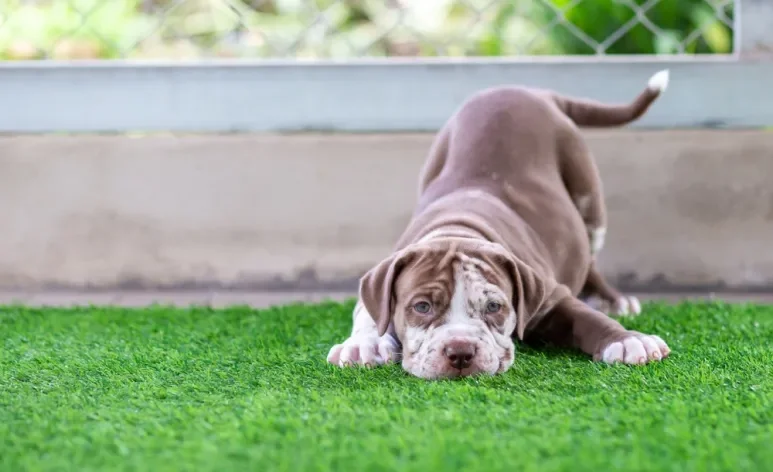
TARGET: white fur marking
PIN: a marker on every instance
(463, 322)
(457, 312)
(636, 350)
(659, 81)
(613, 353)
(597, 303)
(651, 348)
(626, 305)
(364, 346)
(634, 305)
(621, 306)
(598, 237)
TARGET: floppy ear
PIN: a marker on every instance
(377, 288)
(531, 292)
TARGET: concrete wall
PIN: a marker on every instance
(688, 209)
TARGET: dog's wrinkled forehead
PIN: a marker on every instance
(439, 268)
(479, 280)
(431, 270)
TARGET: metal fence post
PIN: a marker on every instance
(754, 28)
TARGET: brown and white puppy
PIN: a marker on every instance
(502, 241)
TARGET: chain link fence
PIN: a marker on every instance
(340, 29)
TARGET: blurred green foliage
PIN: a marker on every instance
(173, 29)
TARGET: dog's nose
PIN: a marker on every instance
(460, 354)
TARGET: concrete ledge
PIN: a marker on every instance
(413, 94)
(688, 209)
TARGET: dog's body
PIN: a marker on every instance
(502, 241)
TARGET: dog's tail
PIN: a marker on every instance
(591, 113)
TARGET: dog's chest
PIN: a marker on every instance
(563, 243)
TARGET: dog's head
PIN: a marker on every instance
(455, 304)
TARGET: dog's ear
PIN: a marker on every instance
(377, 288)
(532, 292)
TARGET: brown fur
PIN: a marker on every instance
(509, 181)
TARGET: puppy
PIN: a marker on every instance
(509, 218)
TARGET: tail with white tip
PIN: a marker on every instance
(592, 113)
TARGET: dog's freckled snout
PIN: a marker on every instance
(460, 354)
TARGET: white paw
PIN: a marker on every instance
(636, 349)
(626, 306)
(597, 303)
(365, 349)
(623, 306)
(597, 238)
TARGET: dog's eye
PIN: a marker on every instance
(493, 307)
(422, 307)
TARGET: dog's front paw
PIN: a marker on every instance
(634, 348)
(365, 349)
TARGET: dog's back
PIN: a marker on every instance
(504, 130)
(523, 147)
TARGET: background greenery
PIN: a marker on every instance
(174, 29)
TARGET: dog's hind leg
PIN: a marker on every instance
(602, 296)
(581, 178)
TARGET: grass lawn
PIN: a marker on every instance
(199, 389)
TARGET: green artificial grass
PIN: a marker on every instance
(238, 389)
